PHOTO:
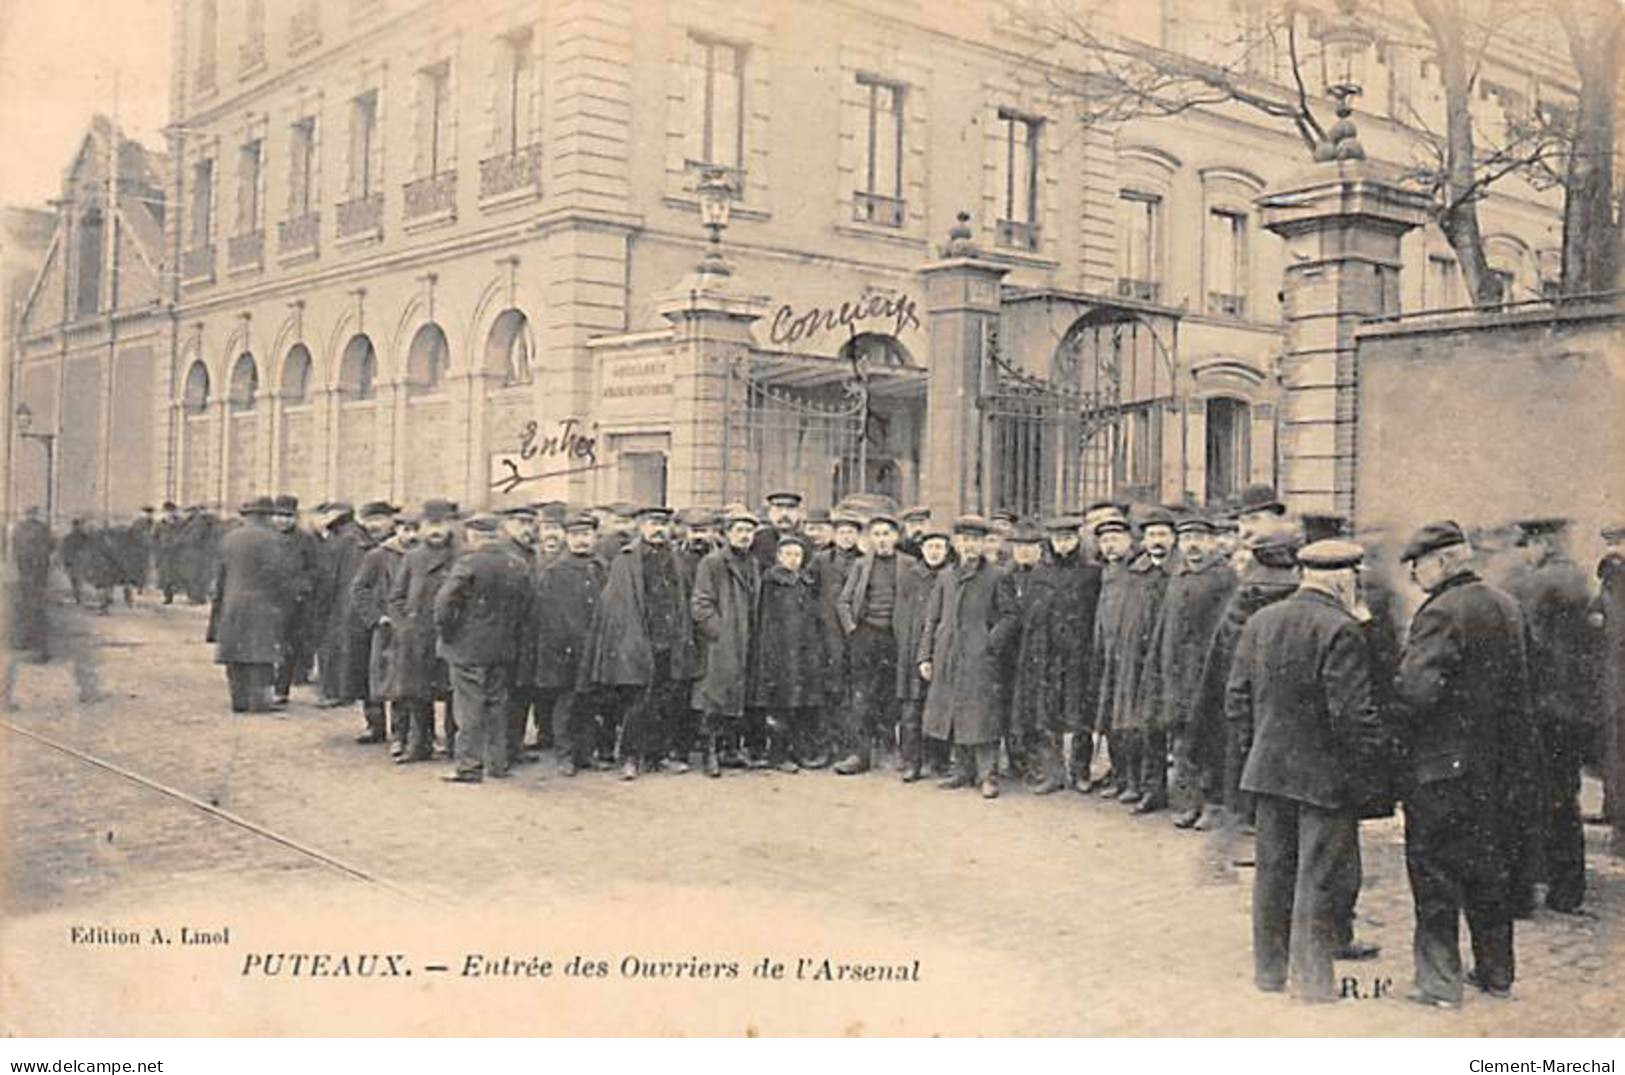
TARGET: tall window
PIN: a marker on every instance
(1227, 263)
(714, 99)
(248, 187)
(434, 118)
(514, 122)
(1442, 284)
(1019, 224)
(302, 168)
(1139, 230)
(880, 200)
(89, 296)
(202, 204)
(1501, 283)
(363, 144)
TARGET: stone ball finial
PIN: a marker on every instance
(959, 237)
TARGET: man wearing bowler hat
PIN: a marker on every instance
(1464, 688)
(1300, 691)
(251, 596)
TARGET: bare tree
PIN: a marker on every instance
(1593, 217)
(1261, 65)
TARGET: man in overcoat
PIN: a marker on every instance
(517, 526)
(420, 677)
(166, 538)
(783, 517)
(567, 598)
(787, 655)
(1190, 615)
(867, 608)
(1114, 542)
(970, 626)
(482, 615)
(347, 541)
(1054, 688)
(31, 546)
(831, 566)
(369, 605)
(915, 583)
(726, 590)
(642, 641)
(1133, 739)
(1299, 690)
(1555, 596)
(304, 574)
(1026, 588)
(251, 593)
(344, 670)
(1464, 687)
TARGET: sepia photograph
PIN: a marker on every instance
(814, 519)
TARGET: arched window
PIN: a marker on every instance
(358, 369)
(197, 387)
(508, 350)
(426, 361)
(296, 374)
(245, 383)
(876, 349)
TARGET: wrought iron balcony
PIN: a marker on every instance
(1130, 287)
(430, 195)
(358, 216)
(198, 263)
(246, 251)
(299, 233)
(871, 208)
(1225, 304)
(1018, 234)
(510, 172)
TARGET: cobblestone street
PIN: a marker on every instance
(1059, 915)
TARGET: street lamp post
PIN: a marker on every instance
(1345, 44)
(25, 422)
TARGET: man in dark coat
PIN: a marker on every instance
(1555, 597)
(1052, 690)
(1026, 588)
(1196, 597)
(420, 677)
(867, 608)
(368, 601)
(915, 583)
(1270, 575)
(200, 553)
(642, 641)
(517, 526)
(787, 655)
(1608, 613)
(482, 615)
(617, 527)
(970, 627)
(31, 545)
(341, 663)
(73, 551)
(1463, 684)
(304, 566)
(1134, 740)
(250, 599)
(167, 536)
(783, 517)
(567, 598)
(1299, 691)
(1114, 542)
(916, 521)
(143, 530)
(373, 585)
(831, 566)
(723, 604)
(104, 570)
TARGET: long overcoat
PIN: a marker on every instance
(419, 673)
(726, 590)
(1555, 597)
(1190, 615)
(1105, 644)
(619, 653)
(250, 595)
(1028, 588)
(1142, 604)
(567, 597)
(348, 641)
(483, 612)
(970, 623)
(915, 583)
(831, 567)
(787, 662)
(370, 596)
(1052, 668)
(1610, 606)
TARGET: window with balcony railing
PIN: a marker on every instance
(1139, 238)
(197, 262)
(508, 173)
(1018, 226)
(880, 200)
(361, 216)
(1227, 264)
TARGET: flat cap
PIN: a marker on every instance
(1153, 515)
(971, 524)
(484, 523)
(286, 504)
(738, 514)
(169, 505)
(1330, 554)
(916, 514)
(818, 515)
(1002, 515)
(438, 511)
(1259, 497)
(1193, 522)
(260, 505)
(1318, 526)
(884, 518)
(651, 511)
(552, 511)
(793, 538)
(1433, 536)
(694, 518)
(374, 508)
(1027, 532)
(624, 508)
(784, 498)
(1111, 523)
(1548, 525)
(340, 508)
(1063, 523)
(581, 520)
(932, 530)
(846, 518)
(1613, 531)
(519, 511)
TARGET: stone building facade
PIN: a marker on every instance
(451, 248)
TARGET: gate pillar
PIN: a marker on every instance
(1342, 220)
(712, 324)
(962, 320)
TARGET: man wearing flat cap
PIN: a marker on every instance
(1555, 597)
(727, 585)
(1132, 737)
(1027, 587)
(915, 520)
(1113, 543)
(166, 541)
(1465, 722)
(349, 640)
(420, 677)
(305, 574)
(969, 630)
(832, 566)
(567, 597)
(251, 596)
(1300, 690)
(642, 641)
(783, 518)
(867, 608)
(369, 595)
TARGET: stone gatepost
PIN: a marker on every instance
(1342, 219)
(962, 316)
(712, 331)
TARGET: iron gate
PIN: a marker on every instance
(805, 432)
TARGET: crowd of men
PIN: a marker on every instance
(1248, 671)
(176, 551)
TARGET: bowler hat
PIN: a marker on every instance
(1432, 537)
(1063, 523)
(971, 524)
(916, 514)
(260, 505)
(1330, 554)
(552, 511)
(1537, 527)
(285, 504)
(169, 505)
(438, 511)
(1259, 497)
(1027, 532)
(819, 515)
